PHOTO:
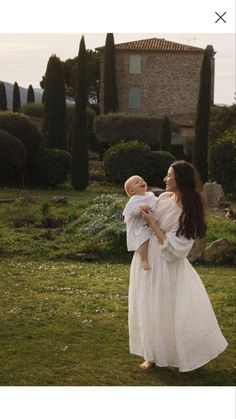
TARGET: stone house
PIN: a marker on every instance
(157, 77)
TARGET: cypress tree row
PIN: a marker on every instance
(80, 169)
(16, 104)
(200, 146)
(110, 87)
(30, 95)
(54, 118)
(165, 135)
(3, 97)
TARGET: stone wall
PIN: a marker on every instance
(169, 82)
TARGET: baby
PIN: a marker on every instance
(138, 231)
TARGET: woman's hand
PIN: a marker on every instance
(147, 214)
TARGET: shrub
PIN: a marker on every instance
(222, 161)
(129, 158)
(51, 167)
(113, 128)
(103, 223)
(33, 109)
(21, 126)
(12, 159)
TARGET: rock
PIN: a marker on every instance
(60, 200)
(218, 251)
(213, 194)
(197, 251)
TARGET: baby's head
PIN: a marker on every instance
(135, 185)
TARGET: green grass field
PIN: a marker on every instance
(64, 322)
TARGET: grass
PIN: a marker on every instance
(64, 322)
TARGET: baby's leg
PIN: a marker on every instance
(143, 251)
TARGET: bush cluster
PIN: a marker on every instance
(115, 127)
(51, 167)
(222, 161)
(33, 109)
(12, 159)
(135, 158)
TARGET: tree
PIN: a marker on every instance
(165, 135)
(3, 97)
(30, 95)
(54, 120)
(110, 88)
(16, 104)
(80, 172)
(200, 146)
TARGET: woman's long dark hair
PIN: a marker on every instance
(191, 221)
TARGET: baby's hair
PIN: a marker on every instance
(126, 185)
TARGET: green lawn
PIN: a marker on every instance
(64, 322)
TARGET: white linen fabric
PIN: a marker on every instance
(171, 320)
(137, 228)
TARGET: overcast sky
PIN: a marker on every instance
(23, 57)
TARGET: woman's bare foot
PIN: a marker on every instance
(145, 265)
(146, 365)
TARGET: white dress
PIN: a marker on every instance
(137, 228)
(171, 320)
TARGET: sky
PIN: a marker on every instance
(24, 56)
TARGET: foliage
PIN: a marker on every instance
(103, 221)
(223, 119)
(51, 168)
(12, 159)
(222, 161)
(3, 97)
(200, 146)
(93, 71)
(20, 126)
(33, 109)
(54, 119)
(80, 168)
(30, 94)
(133, 157)
(165, 135)
(16, 102)
(110, 103)
(116, 127)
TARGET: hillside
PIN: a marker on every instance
(23, 94)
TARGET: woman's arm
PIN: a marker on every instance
(147, 214)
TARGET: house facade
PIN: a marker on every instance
(157, 77)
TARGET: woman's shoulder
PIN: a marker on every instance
(165, 195)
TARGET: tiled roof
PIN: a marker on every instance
(155, 44)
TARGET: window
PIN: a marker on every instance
(134, 98)
(135, 64)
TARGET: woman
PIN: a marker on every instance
(171, 320)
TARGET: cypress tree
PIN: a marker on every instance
(54, 118)
(16, 104)
(110, 88)
(30, 95)
(200, 146)
(80, 171)
(3, 97)
(165, 135)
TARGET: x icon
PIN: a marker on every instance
(220, 17)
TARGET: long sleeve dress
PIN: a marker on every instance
(171, 319)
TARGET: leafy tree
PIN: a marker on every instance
(110, 88)
(30, 95)
(80, 173)
(16, 104)
(54, 120)
(93, 74)
(200, 146)
(165, 135)
(3, 97)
